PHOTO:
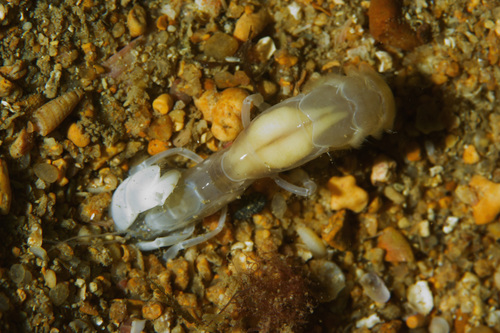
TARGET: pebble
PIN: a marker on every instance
(420, 297)
(152, 310)
(50, 278)
(375, 287)
(77, 135)
(345, 194)
(396, 246)
(180, 268)
(161, 128)
(22, 145)
(220, 46)
(330, 277)
(470, 155)
(226, 116)
(46, 172)
(206, 102)
(368, 322)
(439, 325)
(312, 241)
(59, 293)
(249, 25)
(5, 190)
(488, 204)
(382, 170)
(177, 117)
(394, 195)
(335, 232)
(163, 104)
(136, 21)
(415, 321)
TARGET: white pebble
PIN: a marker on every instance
(312, 241)
(424, 229)
(375, 287)
(278, 205)
(137, 326)
(450, 224)
(368, 322)
(439, 325)
(420, 297)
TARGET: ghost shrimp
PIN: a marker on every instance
(161, 205)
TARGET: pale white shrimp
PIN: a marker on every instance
(161, 205)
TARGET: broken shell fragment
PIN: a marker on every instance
(51, 114)
(22, 145)
(136, 21)
(5, 191)
(163, 103)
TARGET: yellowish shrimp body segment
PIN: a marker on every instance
(339, 112)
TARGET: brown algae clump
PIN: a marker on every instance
(275, 296)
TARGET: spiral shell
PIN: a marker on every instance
(51, 114)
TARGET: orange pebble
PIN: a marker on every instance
(226, 116)
(163, 103)
(89, 309)
(346, 194)
(162, 22)
(470, 155)
(415, 321)
(156, 146)
(413, 154)
(152, 310)
(77, 135)
(488, 205)
(250, 25)
(283, 58)
(396, 246)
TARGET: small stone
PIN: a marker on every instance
(77, 135)
(180, 268)
(382, 170)
(226, 116)
(338, 232)
(136, 21)
(470, 155)
(415, 321)
(161, 128)
(488, 204)
(312, 241)
(163, 103)
(249, 25)
(59, 293)
(220, 46)
(152, 310)
(330, 277)
(420, 297)
(396, 246)
(5, 190)
(375, 287)
(346, 195)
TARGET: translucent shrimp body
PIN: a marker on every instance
(162, 205)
